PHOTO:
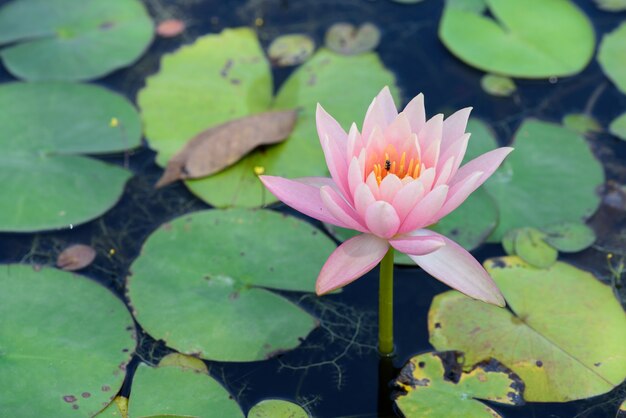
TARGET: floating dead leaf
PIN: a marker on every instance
(346, 39)
(76, 257)
(170, 28)
(291, 49)
(218, 147)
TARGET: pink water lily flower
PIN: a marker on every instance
(390, 181)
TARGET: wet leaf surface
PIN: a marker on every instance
(431, 393)
(612, 56)
(497, 85)
(76, 257)
(72, 39)
(46, 183)
(169, 390)
(519, 40)
(287, 50)
(170, 28)
(57, 348)
(219, 147)
(217, 306)
(277, 408)
(565, 326)
(347, 39)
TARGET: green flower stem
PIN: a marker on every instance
(385, 315)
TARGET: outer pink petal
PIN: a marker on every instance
(381, 219)
(454, 126)
(327, 125)
(487, 163)
(355, 143)
(340, 209)
(381, 112)
(420, 244)
(457, 150)
(349, 261)
(303, 195)
(422, 214)
(459, 269)
(387, 104)
(430, 140)
(444, 172)
(458, 193)
(416, 113)
(337, 165)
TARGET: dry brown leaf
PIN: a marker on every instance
(170, 28)
(76, 257)
(216, 148)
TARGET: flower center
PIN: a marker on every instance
(400, 167)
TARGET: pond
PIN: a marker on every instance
(93, 105)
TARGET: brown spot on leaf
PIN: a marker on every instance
(226, 68)
(106, 388)
(69, 398)
(597, 364)
(74, 406)
(437, 325)
(539, 363)
(76, 257)
(106, 25)
(85, 395)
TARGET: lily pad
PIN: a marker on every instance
(618, 127)
(180, 391)
(291, 49)
(200, 283)
(530, 246)
(430, 393)
(611, 5)
(521, 39)
(43, 126)
(179, 102)
(569, 237)
(118, 408)
(64, 338)
(519, 187)
(621, 411)
(565, 326)
(612, 56)
(498, 85)
(277, 408)
(581, 123)
(72, 39)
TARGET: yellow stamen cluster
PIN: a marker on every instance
(399, 169)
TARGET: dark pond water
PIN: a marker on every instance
(337, 372)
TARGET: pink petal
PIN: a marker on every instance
(373, 184)
(454, 126)
(458, 269)
(303, 195)
(455, 150)
(430, 140)
(407, 198)
(337, 166)
(381, 112)
(416, 113)
(398, 131)
(355, 143)
(363, 198)
(355, 174)
(486, 163)
(427, 177)
(458, 193)
(387, 104)
(421, 215)
(422, 243)
(389, 187)
(340, 209)
(328, 126)
(381, 219)
(444, 172)
(349, 261)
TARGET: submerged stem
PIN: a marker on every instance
(385, 315)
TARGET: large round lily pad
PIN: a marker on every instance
(612, 56)
(430, 392)
(200, 283)
(226, 76)
(565, 326)
(551, 177)
(72, 39)
(277, 408)
(530, 38)
(43, 126)
(178, 390)
(65, 342)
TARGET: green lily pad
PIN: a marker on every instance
(508, 241)
(179, 102)
(569, 237)
(171, 390)
(43, 126)
(291, 49)
(581, 123)
(612, 56)
(519, 187)
(430, 393)
(611, 5)
(118, 408)
(200, 283)
(521, 40)
(72, 39)
(530, 246)
(497, 85)
(621, 411)
(618, 127)
(565, 326)
(65, 342)
(277, 408)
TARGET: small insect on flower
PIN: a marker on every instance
(387, 165)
